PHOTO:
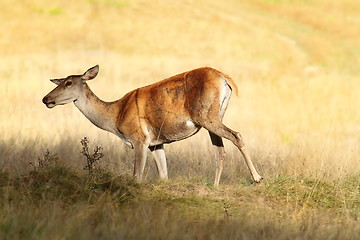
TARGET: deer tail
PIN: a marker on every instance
(232, 84)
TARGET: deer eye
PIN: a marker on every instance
(68, 83)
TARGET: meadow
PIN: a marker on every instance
(296, 63)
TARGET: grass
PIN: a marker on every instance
(103, 205)
(298, 111)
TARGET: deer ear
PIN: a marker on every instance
(91, 73)
(56, 81)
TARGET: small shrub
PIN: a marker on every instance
(46, 161)
(91, 159)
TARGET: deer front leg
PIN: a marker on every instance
(140, 160)
(160, 159)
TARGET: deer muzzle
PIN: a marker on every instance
(49, 104)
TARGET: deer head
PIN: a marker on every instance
(68, 89)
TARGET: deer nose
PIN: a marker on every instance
(45, 100)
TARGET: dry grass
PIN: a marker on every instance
(297, 73)
(107, 207)
(295, 62)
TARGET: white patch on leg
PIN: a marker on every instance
(224, 97)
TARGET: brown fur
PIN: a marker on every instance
(167, 111)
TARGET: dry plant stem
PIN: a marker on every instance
(91, 159)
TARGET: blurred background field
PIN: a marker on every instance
(296, 63)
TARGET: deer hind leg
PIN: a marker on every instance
(160, 159)
(219, 155)
(218, 128)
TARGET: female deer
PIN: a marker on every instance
(167, 111)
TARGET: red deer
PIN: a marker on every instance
(164, 112)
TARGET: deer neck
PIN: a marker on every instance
(100, 113)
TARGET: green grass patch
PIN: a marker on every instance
(111, 3)
(309, 192)
(59, 183)
(102, 205)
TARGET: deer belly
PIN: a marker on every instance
(174, 132)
